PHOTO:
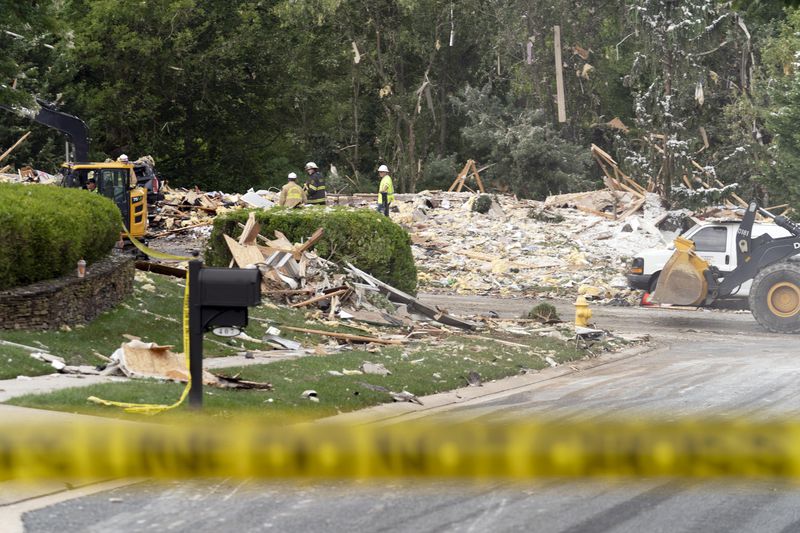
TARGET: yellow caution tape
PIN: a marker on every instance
(155, 253)
(513, 450)
(153, 409)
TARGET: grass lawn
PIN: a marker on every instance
(17, 362)
(422, 368)
(153, 313)
(425, 366)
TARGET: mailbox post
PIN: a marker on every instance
(217, 297)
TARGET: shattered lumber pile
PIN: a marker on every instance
(186, 209)
(622, 197)
(294, 275)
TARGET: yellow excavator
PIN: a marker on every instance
(774, 296)
(115, 180)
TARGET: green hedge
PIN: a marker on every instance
(45, 230)
(363, 237)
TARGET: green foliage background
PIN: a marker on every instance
(235, 94)
(47, 229)
(368, 240)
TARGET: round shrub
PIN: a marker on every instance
(45, 230)
(482, 204)
(368, 240)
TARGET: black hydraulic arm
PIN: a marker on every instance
(73, 127)
(755, 254)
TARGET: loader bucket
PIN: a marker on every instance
(682, 282)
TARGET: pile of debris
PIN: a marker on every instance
(186, 209)
(525, 247)
(294, 275)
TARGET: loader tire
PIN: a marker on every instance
(775, 298)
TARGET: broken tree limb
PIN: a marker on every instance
(320, 298)
(343, 336)
(14, 146)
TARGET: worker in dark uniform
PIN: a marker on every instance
(315, 186)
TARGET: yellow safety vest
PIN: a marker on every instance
(387, 187)
(294, 192)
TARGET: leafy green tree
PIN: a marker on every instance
(690, 58)
(529, 155)
(783, 111)
(28, 31)
(198, 85)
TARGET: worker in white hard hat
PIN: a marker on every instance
(123, 158)
(385, 190)
(292, 195)
(315, 186)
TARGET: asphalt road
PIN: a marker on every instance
(707, 362)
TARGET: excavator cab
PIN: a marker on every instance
(117, 182)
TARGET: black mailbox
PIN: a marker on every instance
(230, 287)
(217, 297)
(225, 295)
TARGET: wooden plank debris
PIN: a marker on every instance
(159, 268)
(321, 297)
(414, 305)
(344, 336)
(244, 255)
(560, 100)
(14, 146)
(469, 169)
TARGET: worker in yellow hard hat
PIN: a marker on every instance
(385, 190)
(292, 195)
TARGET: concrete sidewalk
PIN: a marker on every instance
(13, 388)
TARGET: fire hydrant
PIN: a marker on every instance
(582, 312)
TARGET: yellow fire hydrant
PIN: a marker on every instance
(582, 312)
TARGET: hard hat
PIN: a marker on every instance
(292, 176)
(311, 164)
(123, 158)
(383, 168)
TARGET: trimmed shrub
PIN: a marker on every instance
(363, 237)
(544, 312)
(482, 204)
(45, 230)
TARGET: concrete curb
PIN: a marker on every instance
(445, 401)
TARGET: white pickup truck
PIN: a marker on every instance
(714, 241)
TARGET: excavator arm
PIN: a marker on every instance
(753, 255)
(73, 127)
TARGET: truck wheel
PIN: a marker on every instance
(775, 298)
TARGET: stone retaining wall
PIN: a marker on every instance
(68, 300)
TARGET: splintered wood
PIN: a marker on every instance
(622, 197)
(461, 180)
